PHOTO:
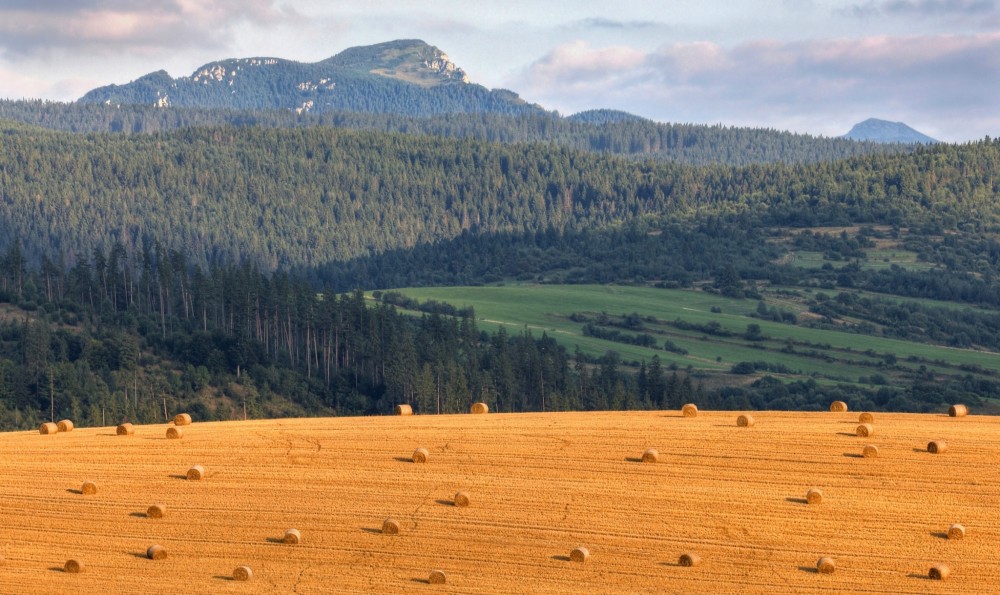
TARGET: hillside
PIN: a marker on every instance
(404, 76)
(539, 484)
(727, 340)
(306, 197)
(602, 131)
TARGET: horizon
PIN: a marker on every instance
(813, 68)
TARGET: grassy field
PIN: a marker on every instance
(540, 485)
(808, 352)
(875, 259)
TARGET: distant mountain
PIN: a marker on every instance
(406, 77)
(883, 131)
(605, 116)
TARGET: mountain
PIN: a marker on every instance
(883, 131)
(404, 77)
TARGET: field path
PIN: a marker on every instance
(540, 485)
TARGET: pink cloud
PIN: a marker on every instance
(577, 63)
(936, 77)
(108, 24)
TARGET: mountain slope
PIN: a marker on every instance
(405, 76)
(883, 131)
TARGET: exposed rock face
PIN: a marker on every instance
(404, 76)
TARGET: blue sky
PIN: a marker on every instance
(812, 66)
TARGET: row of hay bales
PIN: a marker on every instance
(124, 429)
(959, 410)
(476, 408)
(63, 425)
(814, 496)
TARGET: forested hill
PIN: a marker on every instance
(599, 131)
(306, 197)
(405, 77)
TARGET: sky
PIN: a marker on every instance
(808, 66)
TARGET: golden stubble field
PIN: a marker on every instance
(540, 485)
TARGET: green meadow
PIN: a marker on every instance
(790, 350)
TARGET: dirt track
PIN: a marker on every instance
(540, 485)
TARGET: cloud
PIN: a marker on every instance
(616, 25)
(925, 9)
(30, 29)
(944, 79)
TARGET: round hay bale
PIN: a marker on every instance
(689, 410)
(826, 566)
(73, 566)
(866, 418)
(956, 531)
(958, 411)
(437, 577)
(838, 407)
(745, 421)
(939, 572)
(48, 428)
(390, 527)
(292, 537)
(65, 425)
(182, 419)
(650, 456)
(156, 511)
(689, 560)
(175, 433)
(865, 431)
(156, 552)
(480, 408)
(937, 446)
(125, 429)
(88, 488)
(196, 472)
(870, 451)
(242, 573)
(420, 455)
(814, 496)
(462, 499)
(580, 554)
(403, 410)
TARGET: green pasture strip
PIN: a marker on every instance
(548, 307)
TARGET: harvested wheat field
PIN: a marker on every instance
(540, 485)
